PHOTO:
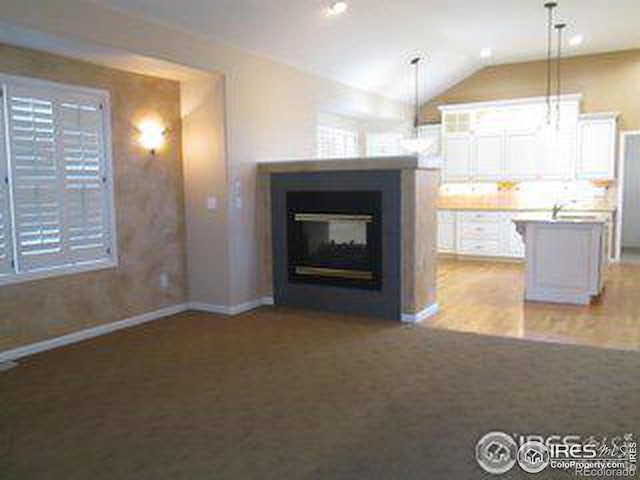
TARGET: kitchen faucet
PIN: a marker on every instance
(556, 210)
(559, 206)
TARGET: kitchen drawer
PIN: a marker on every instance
(479, 216)
(479, 247)
(481, 230)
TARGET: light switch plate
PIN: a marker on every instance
(212, 204)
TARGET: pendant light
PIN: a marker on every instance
(550, 6)
(415, 144)
(559, 29)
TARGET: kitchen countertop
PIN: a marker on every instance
(562, 218)
(513, 203)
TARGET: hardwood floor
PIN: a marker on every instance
(487, 298)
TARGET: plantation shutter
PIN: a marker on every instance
(59, 183)
(37, 178)
(85, 188)
(5, 218)
(337, 143)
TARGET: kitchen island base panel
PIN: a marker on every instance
(565, 259)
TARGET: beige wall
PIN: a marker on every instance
(205, 176)
(608, 81)
(149, 212)
(270, 108)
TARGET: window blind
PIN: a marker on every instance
(337, 143)
(37, 187)
(59, 183)
(84, 179)
(5, 219)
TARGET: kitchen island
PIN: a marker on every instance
(566, 256)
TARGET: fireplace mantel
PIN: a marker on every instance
(413, 206)
(342, 164)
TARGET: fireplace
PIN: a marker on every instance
(335, 238)
(336, 241)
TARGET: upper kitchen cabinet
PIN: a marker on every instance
(488, 161)
(513, 140)
(457, 123)
(597, 134)
(522, 156)
(457, 154)
(457, 146)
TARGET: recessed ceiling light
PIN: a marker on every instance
(486, 52)
(576, 40)
(337, 8)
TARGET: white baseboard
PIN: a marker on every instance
(20, 352)
(430, 311)
(208, 307)
(230, 309)
(4, 366)
(16, 353)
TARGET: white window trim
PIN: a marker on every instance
(57, 272)
(105, 99)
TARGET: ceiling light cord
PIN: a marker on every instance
(416, 120)
(560, 29)
(550, 6)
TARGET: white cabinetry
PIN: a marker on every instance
(522, 155)
(446, 231)
(513, 245)
(515, 141)
(597, 141)
(457, 150)
(488, 158)
(566, 260)
(494, 234)
(479, 233)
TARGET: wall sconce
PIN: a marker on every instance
(151, 135)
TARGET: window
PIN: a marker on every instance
(337, 143)
(56, 205)
(384, 144)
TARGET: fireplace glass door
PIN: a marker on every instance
(334, 238)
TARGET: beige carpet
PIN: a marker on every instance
(281, 394)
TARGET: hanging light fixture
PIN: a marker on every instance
(550, 6)
(415, 144)
(559, 29)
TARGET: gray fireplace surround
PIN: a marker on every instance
(385, 302)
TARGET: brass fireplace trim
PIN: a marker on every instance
(331, 217)
(335, 272)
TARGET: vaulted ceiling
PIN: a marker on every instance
(370, 45)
